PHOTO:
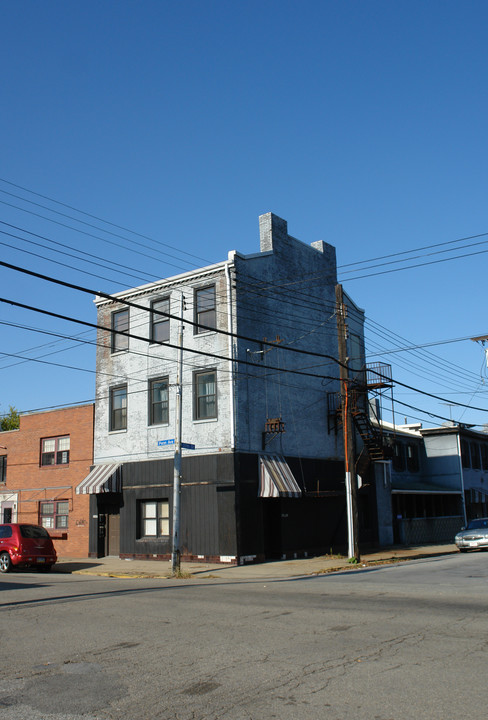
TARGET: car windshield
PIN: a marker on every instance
(33, 531)
(476, 524)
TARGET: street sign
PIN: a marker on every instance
(187, 446)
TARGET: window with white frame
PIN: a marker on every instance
(118, 408)
(158, 401)
(154, 518)
(55, 451)
(160, 323)
(205, 395)
(205, 309)
(120, 330)
(53, 515)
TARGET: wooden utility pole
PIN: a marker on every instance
(348, 430)
(175, 555)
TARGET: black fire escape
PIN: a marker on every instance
(365, 392)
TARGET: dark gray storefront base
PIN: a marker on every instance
(222, 517)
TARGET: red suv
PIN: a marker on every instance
(23, 545)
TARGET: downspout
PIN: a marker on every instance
(231, 357)
(458, 438)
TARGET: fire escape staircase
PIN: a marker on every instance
(369, 434)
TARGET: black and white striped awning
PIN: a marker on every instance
(276, 479)
(101, 479)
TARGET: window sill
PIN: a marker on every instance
(161, 538)
(205, 420)
(57, 465)
(117, 432)
(205, 333)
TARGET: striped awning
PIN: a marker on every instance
(101, 479)
(276, 479)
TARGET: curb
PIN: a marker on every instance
(290, 573)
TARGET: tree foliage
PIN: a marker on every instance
(11, 421)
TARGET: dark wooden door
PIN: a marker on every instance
(113, 534)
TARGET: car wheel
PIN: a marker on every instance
(5, 562)
(463, 550)
(44, 568)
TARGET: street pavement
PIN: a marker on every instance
(128, 568)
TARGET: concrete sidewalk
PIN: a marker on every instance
(280, 569)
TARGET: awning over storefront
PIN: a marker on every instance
(102, 479)
(276, 479)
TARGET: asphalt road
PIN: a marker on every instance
(397, 642)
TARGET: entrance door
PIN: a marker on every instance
(272, 528)
(113, 534)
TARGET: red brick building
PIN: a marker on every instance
(41, 464)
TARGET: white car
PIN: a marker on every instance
(474, 536)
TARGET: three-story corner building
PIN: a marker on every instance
(262, 475)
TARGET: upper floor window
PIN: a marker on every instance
(475, 455)
(412, 457)
(205, 309)
(465, 454)
(356, 357)
(159, 323)
(398, 459)
(120, 330)
(484, 455)
(54, 515)
(55, 451)
(118, 408)
(205, 395)
(158, 401)
(3, 469)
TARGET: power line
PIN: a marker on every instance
(128, 303)
(214, 355)
(407, 252)
(204, 353)
(314, 326)
(94, 217)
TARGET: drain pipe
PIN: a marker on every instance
(458, 438)
(231, 356)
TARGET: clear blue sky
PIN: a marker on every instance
(361, 123)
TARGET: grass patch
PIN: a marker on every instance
(181, 575)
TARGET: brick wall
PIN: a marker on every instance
(28, 483)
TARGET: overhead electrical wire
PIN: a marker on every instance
(145, 309)
(128, 303)
(349, 265)
(199, 352)
(106, 222)
(315, 325)
(166, 245)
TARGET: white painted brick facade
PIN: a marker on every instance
(287, 291)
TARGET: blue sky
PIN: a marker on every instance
(362, 124)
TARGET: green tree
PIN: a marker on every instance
(11, 421)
